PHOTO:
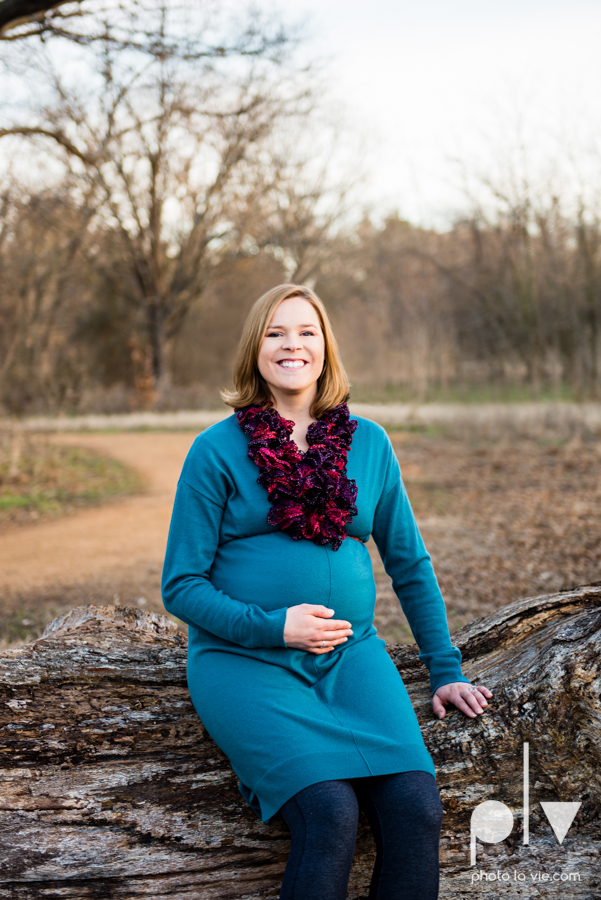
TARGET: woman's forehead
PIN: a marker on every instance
(295, 311)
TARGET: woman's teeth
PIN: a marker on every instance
(292, 364)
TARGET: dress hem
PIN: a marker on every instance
(331, 766)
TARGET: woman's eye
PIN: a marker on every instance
(279, 333)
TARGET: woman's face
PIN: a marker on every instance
(292, 353)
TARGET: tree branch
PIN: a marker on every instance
(57, 136)
(20, 12)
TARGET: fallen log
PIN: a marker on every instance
(111, 788)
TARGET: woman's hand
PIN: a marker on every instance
(308, 626)
(470, 699)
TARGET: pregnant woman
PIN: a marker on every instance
(267, 563)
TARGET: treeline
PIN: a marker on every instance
(149, 203)
(417, 312)
(510, 297)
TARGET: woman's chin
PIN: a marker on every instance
(293, 385)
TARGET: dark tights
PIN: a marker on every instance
(405, 815)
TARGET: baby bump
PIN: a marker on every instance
(272, 571)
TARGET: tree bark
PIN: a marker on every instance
(112, 788)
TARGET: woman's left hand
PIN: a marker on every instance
(469, 698)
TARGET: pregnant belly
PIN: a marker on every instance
(272, 571)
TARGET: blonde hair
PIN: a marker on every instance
(250, 386)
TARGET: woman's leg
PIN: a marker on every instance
(405, 814)
(323, 820)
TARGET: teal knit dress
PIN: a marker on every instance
(287, 718)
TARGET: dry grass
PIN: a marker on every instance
(488, 421)
(502, 520)
(41, 479)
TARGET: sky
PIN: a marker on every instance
(431, 82)
(437, 91)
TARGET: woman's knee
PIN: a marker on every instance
(412, 795)
(419, 798)
(329, 810)
(430, 812)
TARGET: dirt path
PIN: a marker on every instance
(111, 553)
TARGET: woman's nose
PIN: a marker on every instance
(291, 342)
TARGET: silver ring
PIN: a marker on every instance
(472, 689)
(323, 643)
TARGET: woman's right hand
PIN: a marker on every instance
(307, 626)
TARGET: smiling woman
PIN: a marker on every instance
(292, 357)
(302, 320)
(285, 666)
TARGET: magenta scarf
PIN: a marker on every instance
(311, 496)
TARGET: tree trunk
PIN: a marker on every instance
(111, 787)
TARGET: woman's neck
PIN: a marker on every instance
(297, 410)
(296, 407)
(297, 414)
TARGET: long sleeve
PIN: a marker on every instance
(187, 589)
(408, 563)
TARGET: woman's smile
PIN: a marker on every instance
(291, 363)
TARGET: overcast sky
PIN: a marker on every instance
(433, 80)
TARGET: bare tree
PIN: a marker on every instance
(43, 239)
(174, 140)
